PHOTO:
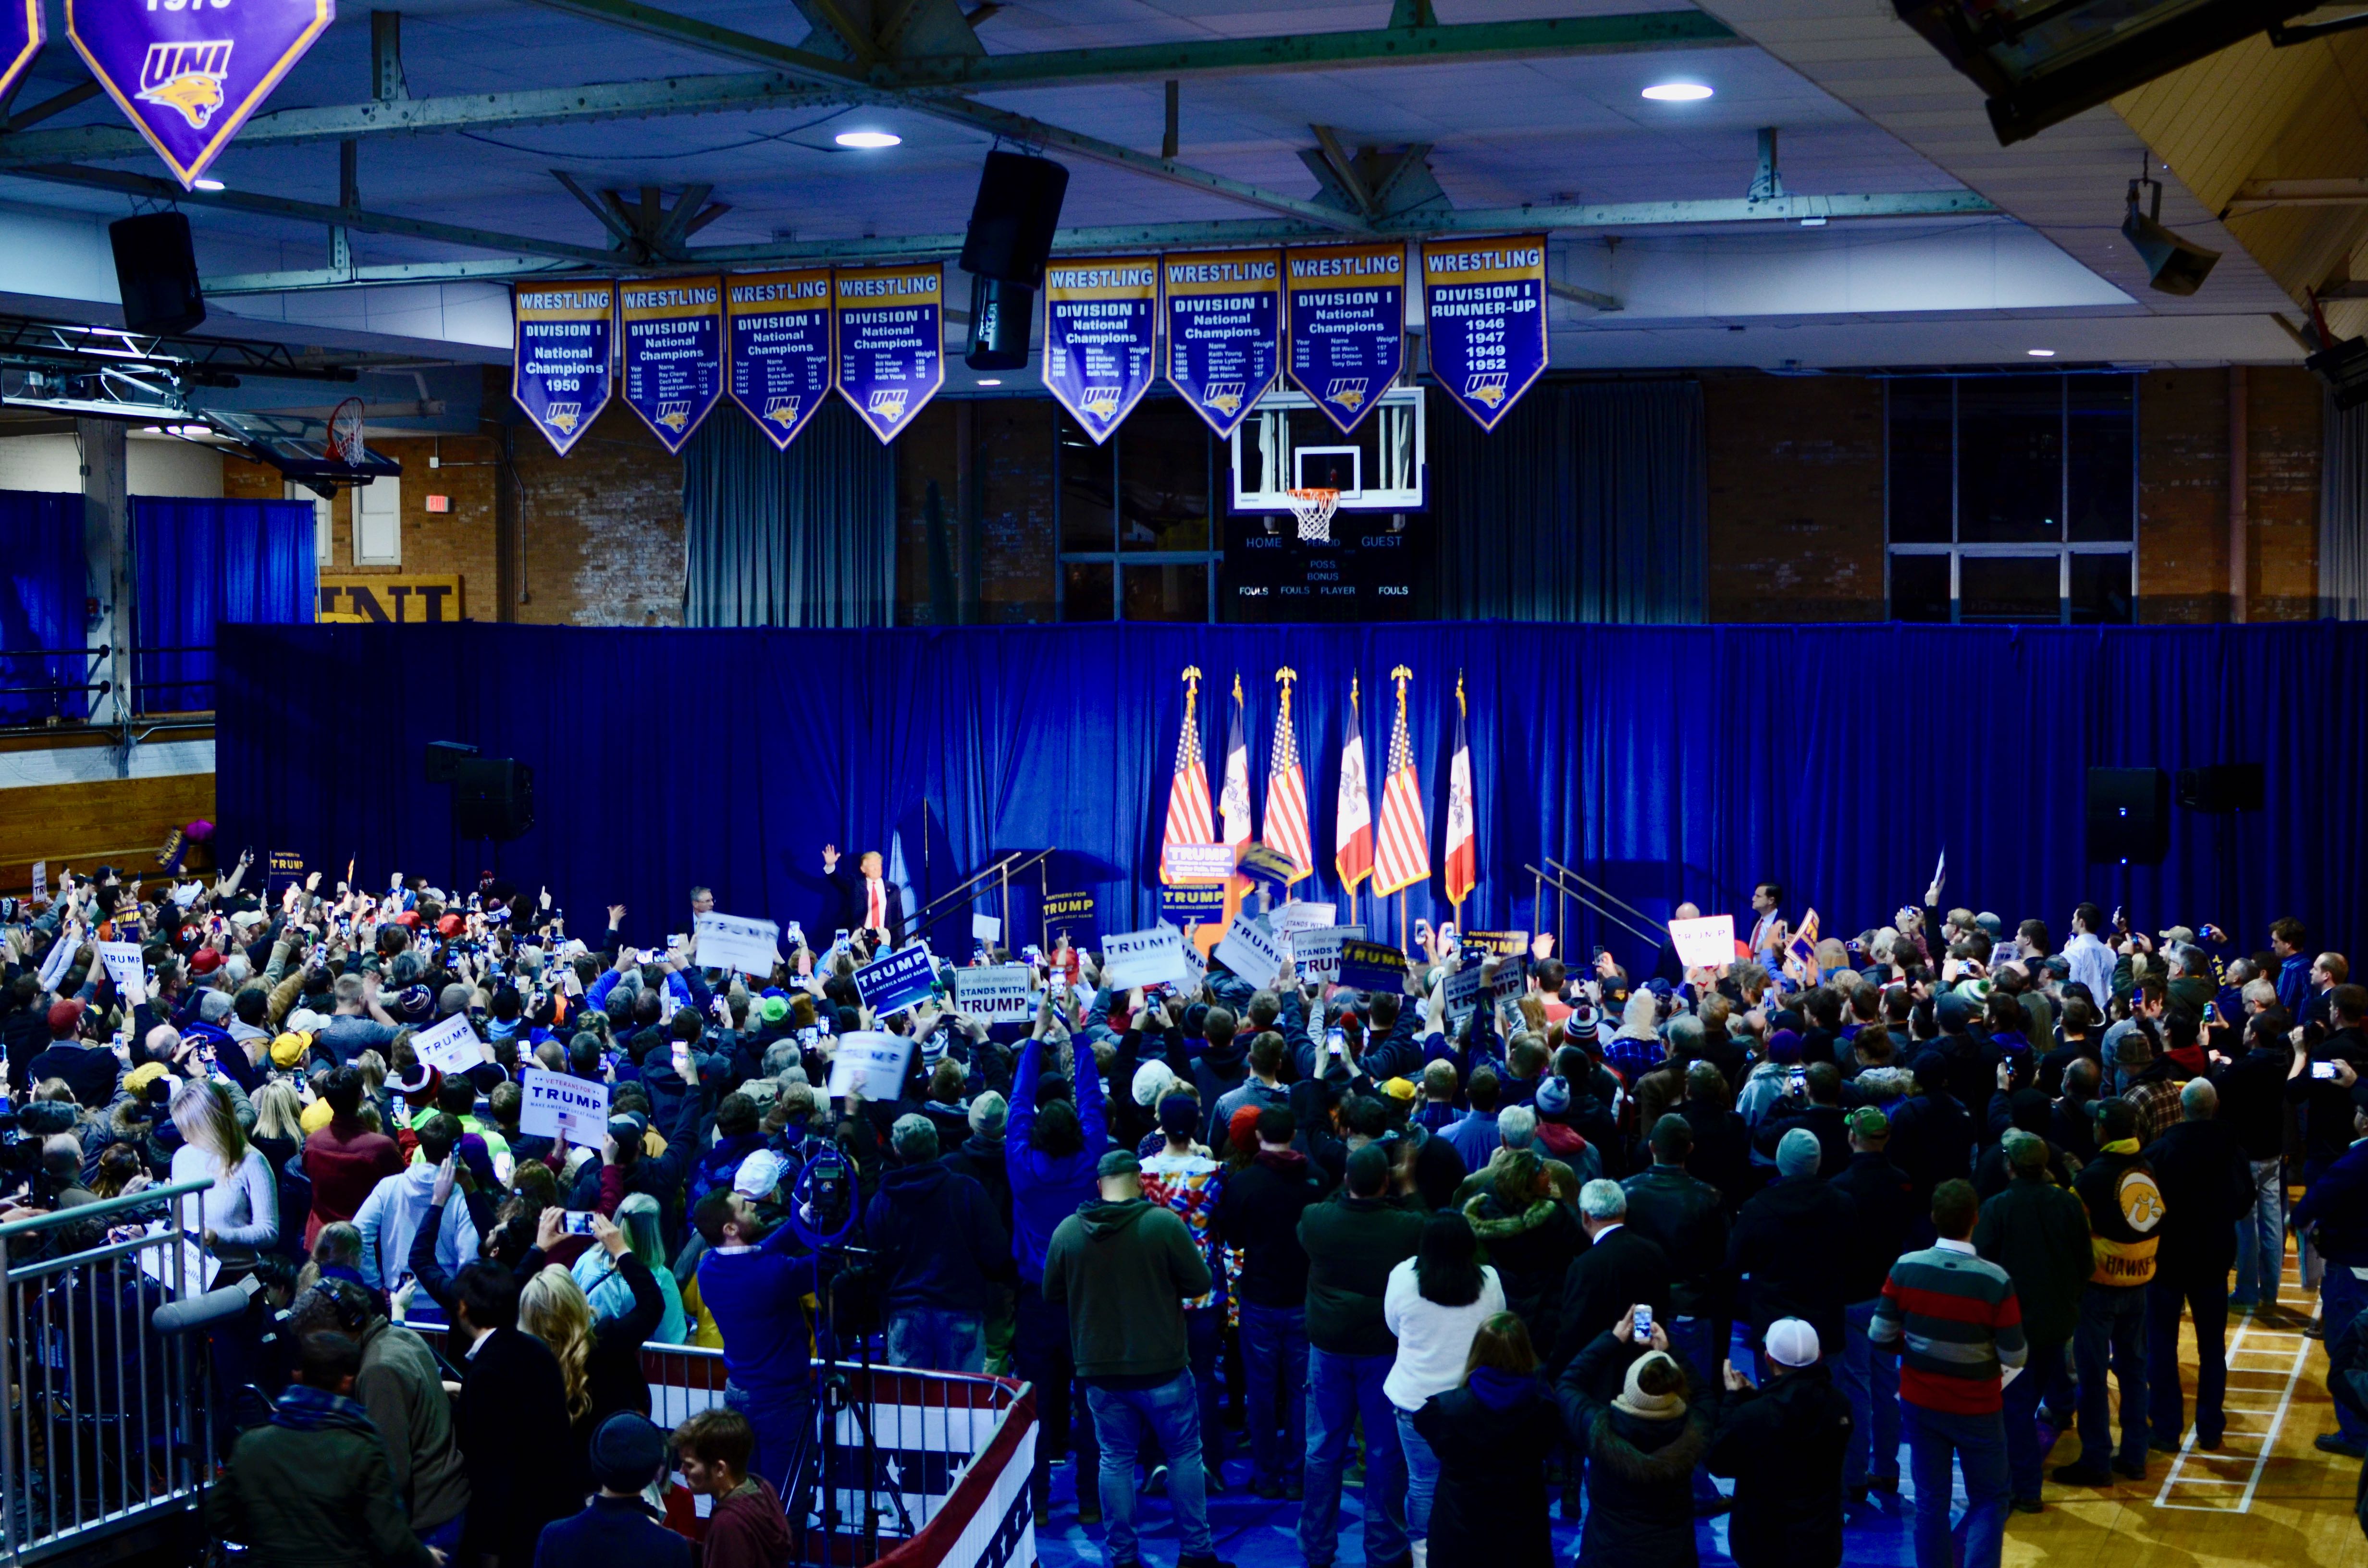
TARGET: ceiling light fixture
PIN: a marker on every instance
(1677, 92)
(867, 139)
(990, 381)
(2040, 353)
(210, 185)
(1813, 222)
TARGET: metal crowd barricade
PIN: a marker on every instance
(106, 1425)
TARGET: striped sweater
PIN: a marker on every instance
(1953, 1319)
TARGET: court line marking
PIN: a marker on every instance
(2268, 1436)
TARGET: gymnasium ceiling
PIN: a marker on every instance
(1941, 247)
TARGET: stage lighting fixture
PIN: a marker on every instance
(2174, 265)
(2044, 61)
(1013, 219)
(1000, 317)
(2343, 366)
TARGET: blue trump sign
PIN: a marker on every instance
(897, 982)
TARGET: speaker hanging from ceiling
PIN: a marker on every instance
(1004, 249)
(2174, 264)
(157, 272)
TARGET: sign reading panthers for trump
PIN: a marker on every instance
(1347, 307)
(1225, 315)
(673, 332)
(1486, 304)
(1101, 321)
(777, 328)
(187, 74)
(890, 326)
(563, 339)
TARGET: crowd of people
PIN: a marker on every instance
(1595, 1242)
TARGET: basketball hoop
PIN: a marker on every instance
(1314, 509)
(344, 441)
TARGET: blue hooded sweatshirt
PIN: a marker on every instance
(1045, 1190)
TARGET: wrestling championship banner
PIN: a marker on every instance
(1100, 330)
(24, 29)
(778, 326)
(890, 326)
(1224, 314)
(673, 334)
(188, 75)
(561, 345)
(1486, 303)
(1347, 311)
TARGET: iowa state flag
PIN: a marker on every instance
(1235, 801)
(1462, 856)
(1352, 816)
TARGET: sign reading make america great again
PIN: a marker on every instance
(188, 75)
(889, 325)
(559, 350)
(674, 353)
(778, 325)
(1485, 301)
(1348, 325)
(1100, 325)
(1224, 319)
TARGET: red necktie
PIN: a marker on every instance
(876, 918)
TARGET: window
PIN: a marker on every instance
(378, 523)
(2012, 498)
(325, 535)
(1135, 517)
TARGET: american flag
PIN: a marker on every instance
(1352, 817)
(1287, 830)
(1402, 855)
(1189, 821)
(1235, 798)
(1463, 855)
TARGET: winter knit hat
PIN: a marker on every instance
(1797, 1153)
(1658, 1369)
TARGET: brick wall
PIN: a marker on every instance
(2183, 475)
(1796, 529)
(992, 462)
(601, 527)
(2285, 410)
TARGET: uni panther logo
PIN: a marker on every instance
(1225, 397)
(673, 416)
(887, 404)
(188, 76)
(782, 411)
(564, 417)
(1349, 391)
(1100, 402)
(1489, 389)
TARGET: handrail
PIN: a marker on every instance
(1002, 864)
(1561, 887)
(1607, 893)
(101, 1209)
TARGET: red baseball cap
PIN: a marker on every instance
(205, 960)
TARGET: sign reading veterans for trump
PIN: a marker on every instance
(564, 338)
(888, 323)
(24, 29)
(1101, 324)
(555, 1103)
(897, 982)
(778, 325)
(186, 75)
(1348, 325)
(673, 331)
(1485, 302)
(1225, 317)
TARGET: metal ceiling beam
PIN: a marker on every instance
(2259, 195)
(311, 212)
(494, 267)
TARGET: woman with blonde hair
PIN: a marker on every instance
(279, 1121)
(604, 1285)
(601, 1362)
(239, 1212)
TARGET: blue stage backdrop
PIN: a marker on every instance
(1665, 762)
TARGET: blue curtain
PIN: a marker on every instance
(805, 537)
(42, 585)
(1587, 502)
(1665, 763)
(201, 565)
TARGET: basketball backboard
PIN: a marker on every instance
(1287, 444)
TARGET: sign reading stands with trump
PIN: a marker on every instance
(888, 323)
(564, 338)
(777, 328)
(994, 993)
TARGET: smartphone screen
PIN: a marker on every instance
(1643, 1324)
(2322, 1070)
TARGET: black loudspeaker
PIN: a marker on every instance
(492, 797)
(157, 272)
(2232, 786)
(2129, 814)
(1011, 224)
(1000, 314)
(443, 759)
(2174, 264)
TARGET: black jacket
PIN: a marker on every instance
(1352, 1244)
(1932, 1141)
(1885, 1203)
(515, 1444)
(1792, 1241)
(2326, 1104)
(1532, 1250)
(940, 1241)
(2253, 1100)
(1684, 1218)
(1259, 1212)
(1721, 1153)
(853, 898)
(1622, 1268)
(981, 1159)
(1640, 1505)
(1491, 1508)
(1784, 1444)
(2207, 1185)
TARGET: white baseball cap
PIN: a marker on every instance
(1792, 1342)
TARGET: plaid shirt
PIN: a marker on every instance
(2156, 1102)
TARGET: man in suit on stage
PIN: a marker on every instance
(1767, 925)
(866, 902)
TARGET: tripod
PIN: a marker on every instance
(838, 1394)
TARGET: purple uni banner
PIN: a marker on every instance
(189, 73)
(673, 331)
(1224, 319)
(779, 328)
(561, 345)
(1100, 325)
(1348, 325)
(24, 28)
(890, 326)
(1485, 301)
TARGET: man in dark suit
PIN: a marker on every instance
(2207, 1187)
(511, 1422)
(1618, 1268)
(1885, 1201)
(867, 901)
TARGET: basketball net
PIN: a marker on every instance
(1314, 509)
(345, 436)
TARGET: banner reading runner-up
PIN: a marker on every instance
(1346, 308)
(1101, 322)
(673, 334)
(890, 326)
(777, 327)
(1485, 302)
(561, 342)
(1225, 317)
